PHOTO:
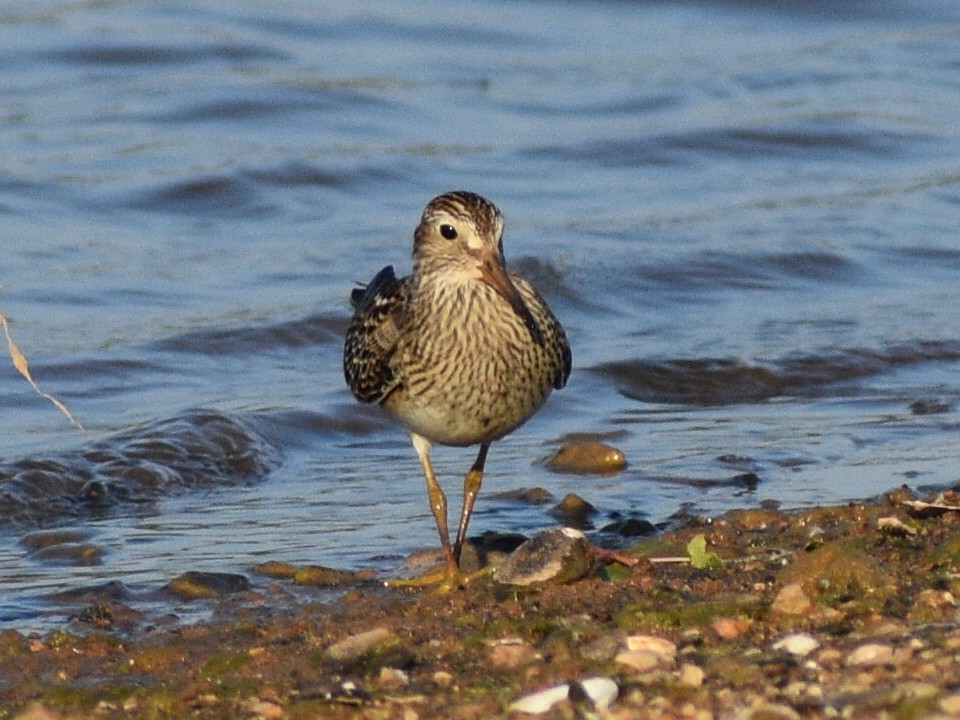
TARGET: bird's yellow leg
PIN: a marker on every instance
(448, 576)
(471, 486)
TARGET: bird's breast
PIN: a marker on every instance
(470, 371)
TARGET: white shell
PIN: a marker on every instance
(602, 691)
(799, 644)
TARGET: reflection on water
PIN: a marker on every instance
(744, 214)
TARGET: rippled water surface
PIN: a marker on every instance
(746, 214)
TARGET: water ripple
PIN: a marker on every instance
(199, 449)
(725, 381)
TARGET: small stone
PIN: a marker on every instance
(950, 704)
(769, 711)
(604, 648)
(262, 709)
(551, 557)
(639, 660)
(275, 569)
(319, 576)
(798, 644)
(730, 628)
(533, 496)
(587, 458)
(36, 711)
(895, 526)
(38, 539)
(646, 652)
(194, 585)
(692, 675)
(441, 678)
(511, 653)
(69, 553)
(355, 647)
(871, 654)
(393, 678)
(573, 510)
(803, 692)
(653, 644)
(791, 600)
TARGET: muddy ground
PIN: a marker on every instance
(840, 612)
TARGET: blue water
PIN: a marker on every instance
(744, 213)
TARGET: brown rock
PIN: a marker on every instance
(871, 654)
(357, 646)
(319, 576)
(692, 675)
(587, 458)
(510, 653)
(791, 600)
(194, 585)
(573, 510)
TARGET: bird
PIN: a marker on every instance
(461, 352)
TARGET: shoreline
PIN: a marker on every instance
(844, 611)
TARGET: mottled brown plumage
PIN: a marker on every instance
(461, 352)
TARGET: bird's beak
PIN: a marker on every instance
(494, 273)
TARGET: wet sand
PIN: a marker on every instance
(835, 612)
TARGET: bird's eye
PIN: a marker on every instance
(448, 231)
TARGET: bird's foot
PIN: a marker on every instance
(443, 580)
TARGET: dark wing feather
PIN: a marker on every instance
(372, 336)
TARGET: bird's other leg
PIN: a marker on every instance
(438, 502)
(471, 486)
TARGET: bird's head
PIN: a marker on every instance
(461, 234)
(460, 238)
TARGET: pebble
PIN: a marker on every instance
(70, 553)
(950, 704)
(692, 675)
(319, 576)
(653, 644)
(552, 557)
(573, 510)
(393, 678)
(798, 644)
(587, 458)
(275, 569)
(44, 538)
(730, 628)
(442, 678)
(262, 709)
(791, 600)
(638, 660)
(871, 654)
(646, 652)
(533, 496)
(354, 647)
(510, 653)
(36, 711)
(769, 711)
(194, 585)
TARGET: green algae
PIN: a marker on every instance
(224, 664)
(646, 616)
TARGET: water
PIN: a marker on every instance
(744, 213)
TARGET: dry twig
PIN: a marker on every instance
(20, 363)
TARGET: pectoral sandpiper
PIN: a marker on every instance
(461, 352)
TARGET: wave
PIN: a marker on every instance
(116, 475)
(724, 381)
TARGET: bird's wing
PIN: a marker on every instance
(549, 329)
(372, 336)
